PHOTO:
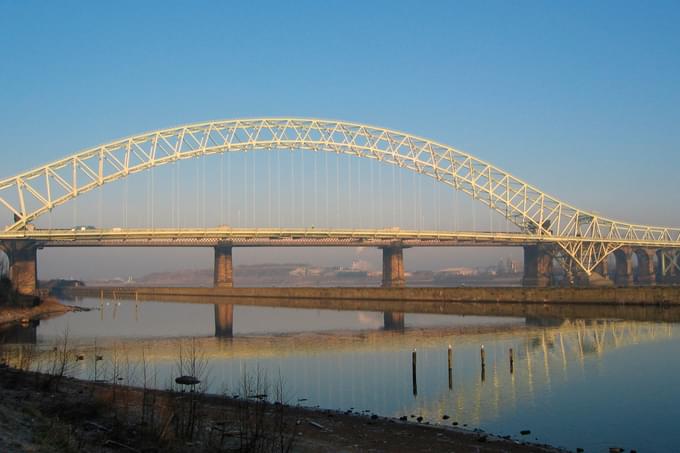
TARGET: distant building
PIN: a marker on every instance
(459, 271)
(360, 265)
(507, 266)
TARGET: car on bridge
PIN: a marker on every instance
(83, 228)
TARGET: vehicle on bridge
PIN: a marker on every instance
(83, 228)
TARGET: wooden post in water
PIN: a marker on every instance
(413, 365)
(512, 362)
(482, 355)
(450, 368)
(483, 358)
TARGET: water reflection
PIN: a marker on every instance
(393, 320)
(20, 333)
(573, 382)
(224, 320)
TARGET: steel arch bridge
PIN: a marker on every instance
(584, 238)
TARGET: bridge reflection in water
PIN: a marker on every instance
(224, 320)
(364, 361)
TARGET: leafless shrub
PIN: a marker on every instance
(26, 356)
(260, 419)
(61, 361)
(187, 414)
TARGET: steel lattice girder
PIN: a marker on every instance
(28, 195)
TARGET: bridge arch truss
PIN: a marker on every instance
(584, 238)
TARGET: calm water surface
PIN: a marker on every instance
(594, 383)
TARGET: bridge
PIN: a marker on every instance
(549, 230)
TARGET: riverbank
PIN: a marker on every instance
(46, 307)
(638, 295)
(86, 416)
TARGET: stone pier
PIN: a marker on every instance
(538, 262)
(224, 274)
(224, 320)
(393, 267)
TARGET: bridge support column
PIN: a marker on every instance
(624, 266)
(23, 266)
(224, 277)
(224, 320)
(394, 320)
(646, 273)
(393, 267)
(668, 267)
(603, 268)
(538, 263)
(600, 275)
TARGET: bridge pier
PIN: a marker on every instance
(646, 273)
(538, 262)
(224, 320)
(624, 266)
(223, 270)
(23, 266)
(393, 267)
(393, 320)
(603, 268)
(668, 267)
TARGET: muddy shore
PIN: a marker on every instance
(41, 413)
(47, 307)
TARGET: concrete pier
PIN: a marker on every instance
(224, 271)
(602, 269)
(624, 266)
(393, 267)
(538, 262)
(224, 320)
(646, 271)
(23, 266)
(668, 267)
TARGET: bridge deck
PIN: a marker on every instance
(283, 237)
(264, 237)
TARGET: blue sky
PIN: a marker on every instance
(581, 99)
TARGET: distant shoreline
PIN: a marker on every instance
(47, 307)
(633, 296)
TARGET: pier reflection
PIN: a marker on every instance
(393, 320)
(224, 320)
(20, 333)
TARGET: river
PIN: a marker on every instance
(593, 381)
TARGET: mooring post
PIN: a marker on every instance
(413, 366)
(482, 356)
(450, 357)
(512, 362)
